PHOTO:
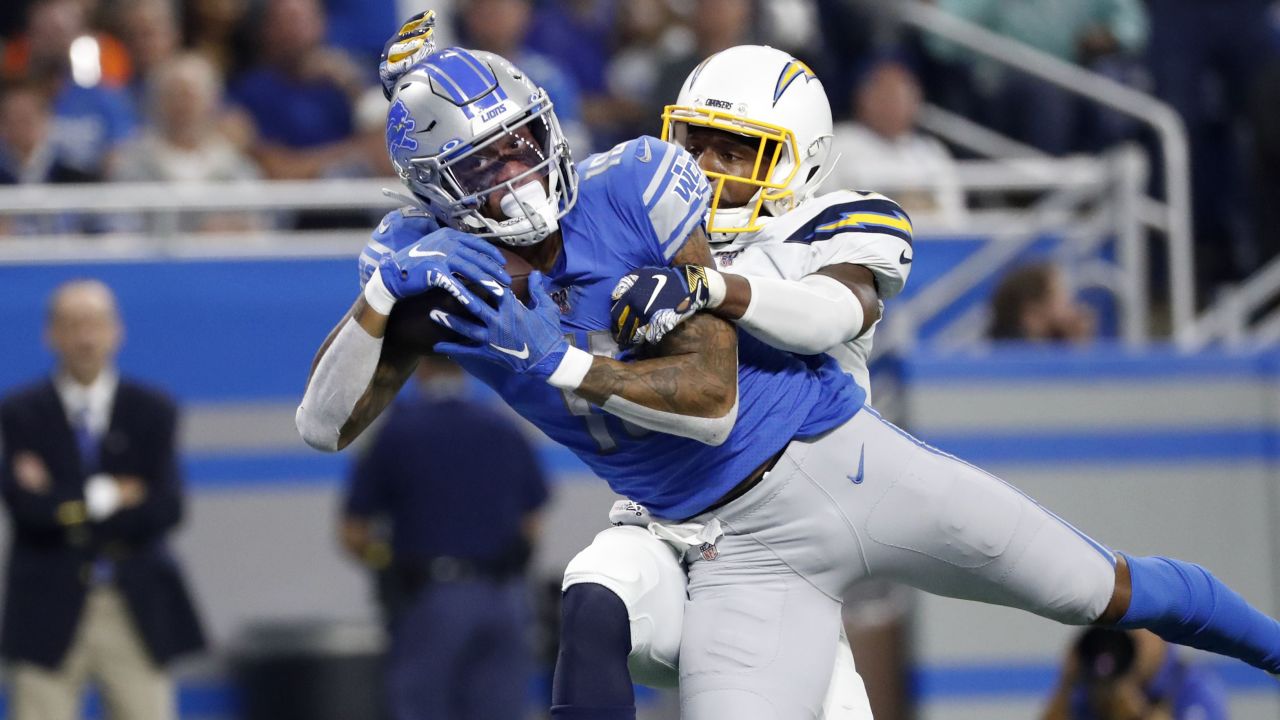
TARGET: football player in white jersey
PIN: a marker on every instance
(805, 272)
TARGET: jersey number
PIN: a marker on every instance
(599, 342)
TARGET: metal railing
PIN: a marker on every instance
(1081, 199)
(1085, 203)
(1228, 320)
(1173, 215)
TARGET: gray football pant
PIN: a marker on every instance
(864, 500)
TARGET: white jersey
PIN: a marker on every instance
(844, 226)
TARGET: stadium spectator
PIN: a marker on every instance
(502, 27)
(1204, 57)
(359, 27)
(458, 487)
(301, 97)
(1104, 35)
(149, 30)
(90, 481)
(1113, 674)
(647, 37)
(881, 148)
(51, 27)
(717, 25)
(91, 114)
(577, 35)
(218, 30)
(182, 141)
(1035, 303)
(26, 153)
(27, 156)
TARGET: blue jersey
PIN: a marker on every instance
(637, 205)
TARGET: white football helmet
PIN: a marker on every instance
(455, 118)
(764, 93)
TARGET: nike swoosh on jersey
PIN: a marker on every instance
(903, 259)
(382, 227)
(862, 456)
(662, 281)
(520, 354)
(647, 152)
(415, 252)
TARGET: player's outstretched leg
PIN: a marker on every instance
(1185, 604)
(591, 679)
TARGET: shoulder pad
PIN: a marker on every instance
(847, 211)
(657, 185)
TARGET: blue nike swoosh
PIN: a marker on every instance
(862, 456)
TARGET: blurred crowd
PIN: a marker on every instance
(186, 90)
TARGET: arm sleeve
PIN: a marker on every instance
(808, 316)
(340, 379)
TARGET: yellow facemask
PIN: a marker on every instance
(675, 122)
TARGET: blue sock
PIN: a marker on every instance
(592, 681)
(1184, 603)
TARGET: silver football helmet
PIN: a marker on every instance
(479, 146)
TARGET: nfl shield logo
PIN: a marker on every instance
(709, 551)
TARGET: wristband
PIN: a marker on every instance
(716, 288)
(572, 369)
(377, 295)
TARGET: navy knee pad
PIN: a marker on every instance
(1184, 603)
(592, 681)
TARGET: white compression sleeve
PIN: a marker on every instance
(709, 431)
(807, 316)
(340, 379)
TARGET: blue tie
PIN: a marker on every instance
(87, 443)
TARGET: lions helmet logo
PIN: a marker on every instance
(400, 125)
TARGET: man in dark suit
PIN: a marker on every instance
(90, 479)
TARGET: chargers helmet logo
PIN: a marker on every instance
(399, 126)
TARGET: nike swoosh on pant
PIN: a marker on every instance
(862, 456)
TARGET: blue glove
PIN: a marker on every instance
(433, 261)
(650, 302)
(525, 340)
(414, 40)
(399, 229)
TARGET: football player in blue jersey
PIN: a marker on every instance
(782, 485)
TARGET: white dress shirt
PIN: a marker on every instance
(90, 403)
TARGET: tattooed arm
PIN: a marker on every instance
(688, 386)
(353, 378)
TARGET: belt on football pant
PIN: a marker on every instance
(749, 482)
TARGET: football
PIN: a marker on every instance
(410, 324)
